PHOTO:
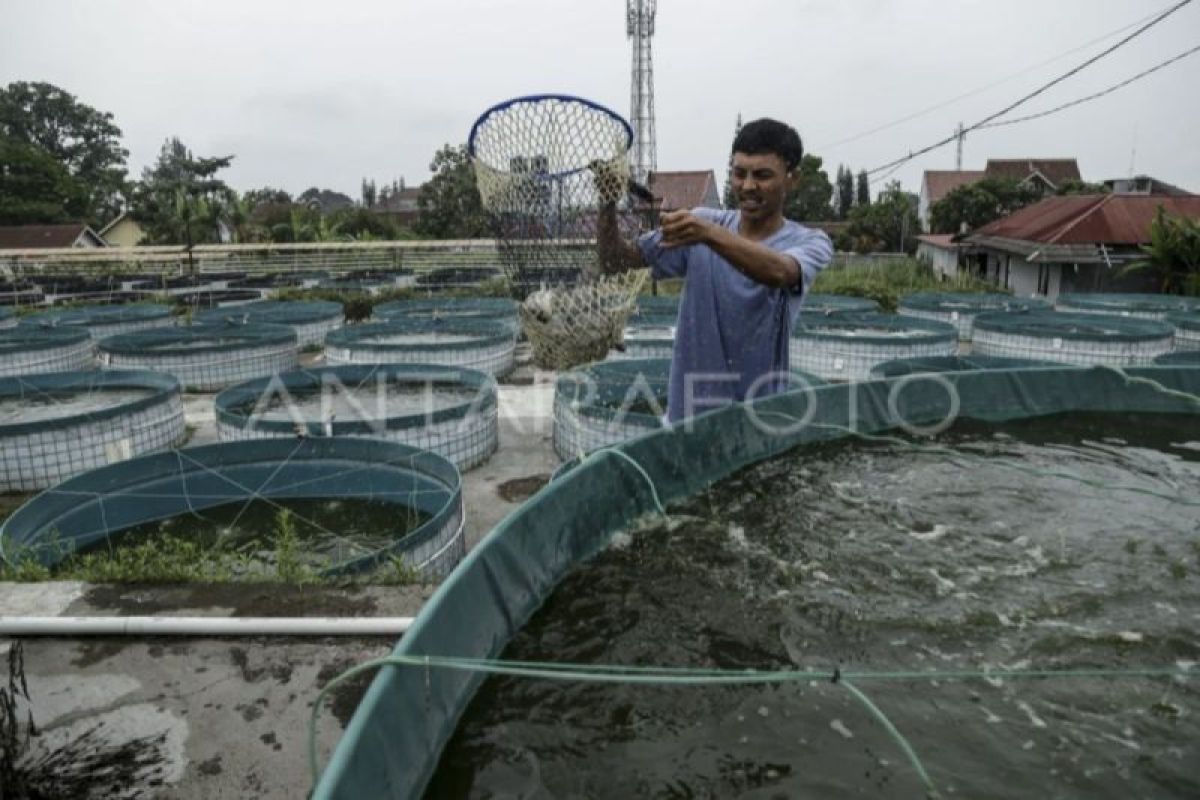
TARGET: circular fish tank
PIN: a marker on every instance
(53, 426)
(103, 321)
(178, 284)
(265, 283)
(657, 305)
(960, 309)
(484, 345)
(450, 411)
(203, 357)
(1000, 606)
(353, 286)
(1187, 329)
(940, 364)
(645, 336)
(351, 505)
(826, 304)
(310, 319)
(1180, 358)
(1149, 306)
(486, 308)
(29, 350)
(847, 346)
(1072, 338)
(215, 298)
(609, 402)
(606, 403)
(8, 318)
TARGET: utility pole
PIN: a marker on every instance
(639, 26)
(960, 135)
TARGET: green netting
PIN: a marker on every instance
(200, 338)
(393, 742)
(1180, 358)
(91, 507)
(464, 429)
(932, 364)
(1154, 306)
(1067, 325)
(836, 304)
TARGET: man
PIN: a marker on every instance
(745, 274)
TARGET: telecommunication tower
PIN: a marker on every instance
(639, 26)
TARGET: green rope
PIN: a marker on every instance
(690, 676)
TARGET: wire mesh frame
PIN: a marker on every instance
(39, 460)
(71, 357)
(466, 442)
(576, 434)
(495, 358)
(1083, 352)
(850, 360)
(963, 321)
(206, 371)
(1187, 338)
(544, 165)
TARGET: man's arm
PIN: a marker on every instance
(757, 261)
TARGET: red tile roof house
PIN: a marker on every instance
(1045, 173)
(1075, 243)
(36, 237)
(678, 190)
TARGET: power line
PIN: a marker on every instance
(1109, 90)
(982, 89)
(1157, 19)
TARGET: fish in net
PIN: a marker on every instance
(553, 174)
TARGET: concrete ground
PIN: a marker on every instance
(230, 717)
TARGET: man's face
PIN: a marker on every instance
(760, 183)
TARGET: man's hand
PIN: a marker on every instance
(683, 228)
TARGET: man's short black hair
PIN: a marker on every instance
(770, 136)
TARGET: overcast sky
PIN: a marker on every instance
(325, 93)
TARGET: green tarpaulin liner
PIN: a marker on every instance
(1180, 358)
(7, 318)
(108, 319)
(394, 740)
(484, 307)
(1187, 329)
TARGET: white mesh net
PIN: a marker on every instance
(553, 172)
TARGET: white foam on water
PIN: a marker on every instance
(841, 728)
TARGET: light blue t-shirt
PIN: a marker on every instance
(731, 337)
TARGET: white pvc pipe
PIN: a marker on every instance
(203, 626)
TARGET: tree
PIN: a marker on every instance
(1173, 254)
(449, 206)
(180, 200)
(863, 195)
(35, 187)
(83, 140)
(267, 194)
(976, 204)
(809, 200)
(369, 194)
(729, 199)
(890, 223)
(1073, 186)
(844, 192)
